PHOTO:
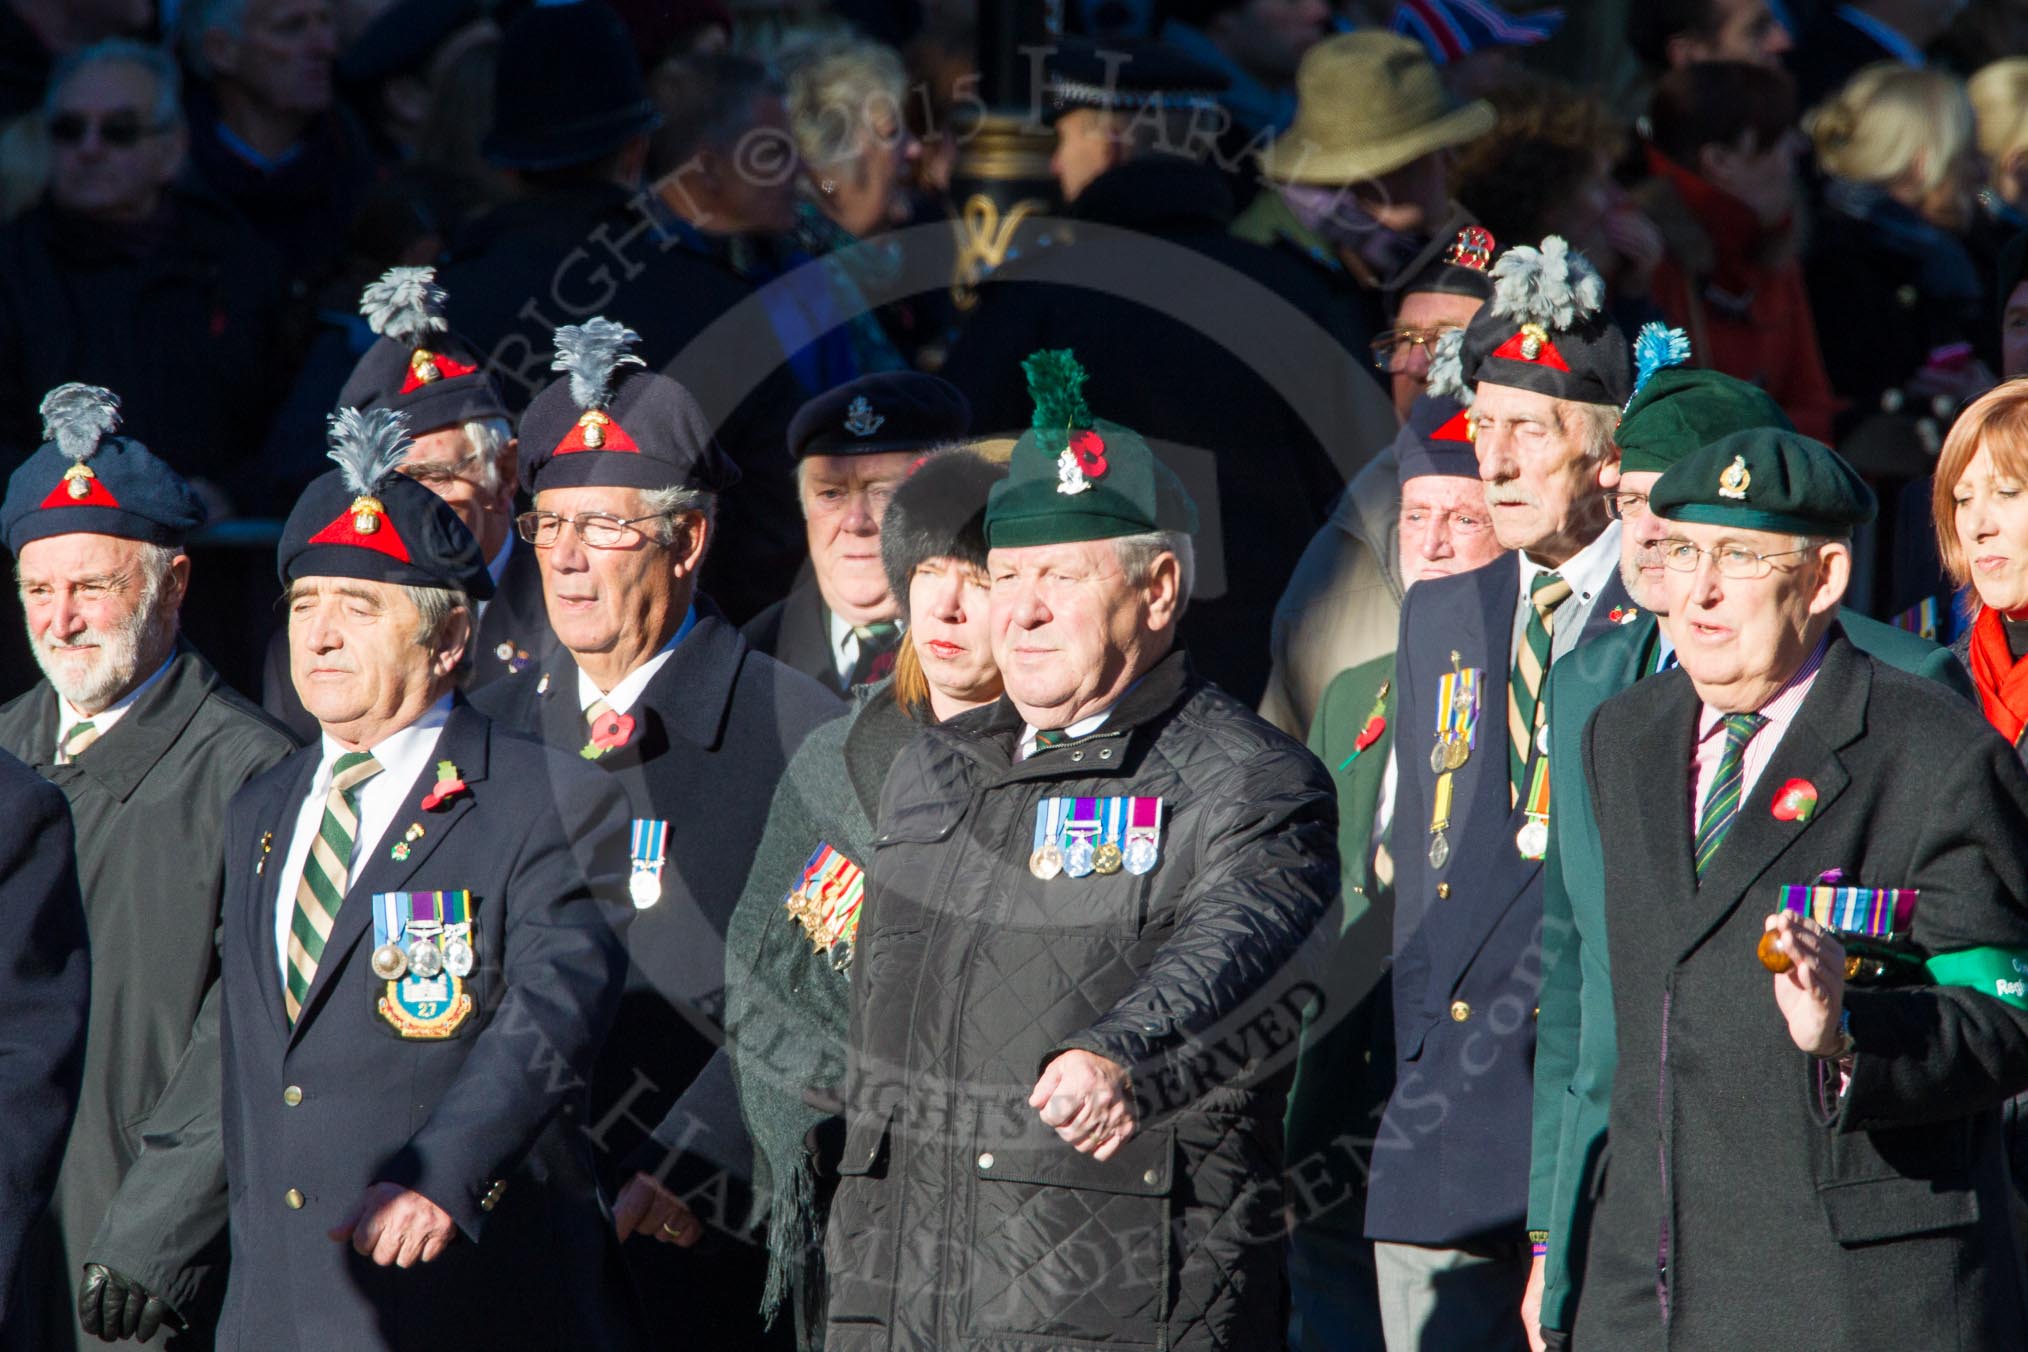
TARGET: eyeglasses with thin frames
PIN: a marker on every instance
(1734, 561)
(598, 530)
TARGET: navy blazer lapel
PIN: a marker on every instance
(274, 831)
(1485, 635)
(463, 742)
(1833, 715)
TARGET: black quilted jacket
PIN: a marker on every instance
(961, 1221)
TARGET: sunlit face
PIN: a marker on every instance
(1087, 144)
(844, 498)
(950, 624)
(1542, 487)
(283, 53)
(1640, 531)
(109, 157)
(99, 620)
(357, 658)
(1741, 639)
(1069, 628)
(1445, 527)
(1992, 526)
(1425, 313)
(606, 600)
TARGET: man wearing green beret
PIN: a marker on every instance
(1675, 412)
(1805, 1151)
(1070, 1050)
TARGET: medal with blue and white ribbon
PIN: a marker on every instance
(649, 847)
(1046, 860)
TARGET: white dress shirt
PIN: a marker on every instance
(403, 757)
(1084, 727)
(626, 692)
(845, 644)
(68, 716)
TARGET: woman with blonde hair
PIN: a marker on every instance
(789, 946)
(1896, 296)
(845, 108)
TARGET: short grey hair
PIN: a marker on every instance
(835, 86)
(199, 18)
(434, 607)
(670, 503)
(488, 439)
(1594, 425)
(168, 109)
(1137, 555)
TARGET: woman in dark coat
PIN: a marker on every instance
(790, 942)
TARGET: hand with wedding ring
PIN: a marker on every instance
(645, 1207)
(1089, 1100)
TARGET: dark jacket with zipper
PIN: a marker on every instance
(1748, 1203)
(962, 1221)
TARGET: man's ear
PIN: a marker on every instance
(1164, 591)
(693, 534)
(457, 636)
(1834, 575)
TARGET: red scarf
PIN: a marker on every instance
(2002, 681)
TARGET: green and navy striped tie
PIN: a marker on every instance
(322, 890)
(1524, 682)
(1721, 800)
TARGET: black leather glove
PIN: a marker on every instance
(111, 1307)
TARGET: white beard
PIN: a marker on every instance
(92, 683)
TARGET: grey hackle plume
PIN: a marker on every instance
(592, 352)
(1551, 285)
(367, 444)
(77, 417)
(1447, 368)
(406, 304)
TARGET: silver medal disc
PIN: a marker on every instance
(458, 958)
(1533, 839)
(425, 959)
(1077, 860)
(1542, 739)
(1439, 755)
(645, 887)
(1439, 850)
(1141, 855)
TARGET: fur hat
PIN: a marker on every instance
(938, 512)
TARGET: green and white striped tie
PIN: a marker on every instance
(1524, 682)
(322, 890)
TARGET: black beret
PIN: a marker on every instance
(86, 480)
(1435, 440)
(364, 520)
(569, 90)
(1768, 479)
(938, 512)
(404, 36)
(418, 367)
(1125, 76)
(1461, 267)
(610, 423)
(886, 411)
(1546, 329)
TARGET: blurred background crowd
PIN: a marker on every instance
(1823, 196)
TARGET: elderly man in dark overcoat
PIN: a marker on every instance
(1074, 1006)
(1817, 916)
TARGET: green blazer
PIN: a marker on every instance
(1344, 1069)
(1574, 1045)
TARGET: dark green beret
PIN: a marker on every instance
(1681, 410)
(1076, 477)
(1765, 479)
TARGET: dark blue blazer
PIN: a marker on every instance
(45, 996)
(485, 1123)
(1450, 1159)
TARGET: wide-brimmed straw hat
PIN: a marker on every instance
(1368, 103)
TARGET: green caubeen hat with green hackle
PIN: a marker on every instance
(1075, 477)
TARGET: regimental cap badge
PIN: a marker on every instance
(1473, 248)
(592, 353)
(407, 306)
(367, 445)
(1734, 480)
(860, 419)
(78, 418)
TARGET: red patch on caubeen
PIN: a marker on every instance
(96, 495)
(1513, 350)
(382, 541)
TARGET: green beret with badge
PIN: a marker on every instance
(1765, 479)
(1075, 477)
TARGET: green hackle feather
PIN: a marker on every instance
(1056, 384)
